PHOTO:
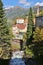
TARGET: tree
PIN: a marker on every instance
(41, 13)
(38, 34)
(38, 41)
(30, 26)
(28, 50)
(5, 36)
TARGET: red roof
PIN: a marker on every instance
(21, 26)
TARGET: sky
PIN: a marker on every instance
(23, 3)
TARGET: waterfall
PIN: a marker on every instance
(16, 58)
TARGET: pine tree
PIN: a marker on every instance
(30, 26)
(4, 35)
(38, 41)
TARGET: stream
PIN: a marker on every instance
(16, 59)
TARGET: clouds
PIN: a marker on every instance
(24, 2)
(38, 3)
(8, 7)
(29, 3)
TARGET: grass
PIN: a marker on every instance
(15, 46)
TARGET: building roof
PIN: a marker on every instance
(21, 26)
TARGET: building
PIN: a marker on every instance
(39, 21)
(19, 29)
(19, 20)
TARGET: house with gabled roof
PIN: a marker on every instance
(19, 28)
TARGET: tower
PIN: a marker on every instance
(37, 10)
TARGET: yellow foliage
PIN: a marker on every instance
(15, 46)
(41, 13)
(38, 34)
(29, 52)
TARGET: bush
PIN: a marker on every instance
(29, 52)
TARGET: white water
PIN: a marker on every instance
(17, 54)
(16, 58)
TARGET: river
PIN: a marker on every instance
(16, 59)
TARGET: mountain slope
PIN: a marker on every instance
(15, 12)
(18, 11)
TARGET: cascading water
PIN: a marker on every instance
(16, 58)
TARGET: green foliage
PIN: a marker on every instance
(5, 35)
(24, 37)
(29, 52)
(30, 24)
(41, 13)
(38, 41)
(38, 34)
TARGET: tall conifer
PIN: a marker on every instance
(4, 35)
(30, 26)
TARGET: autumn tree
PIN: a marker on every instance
(38, 41)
